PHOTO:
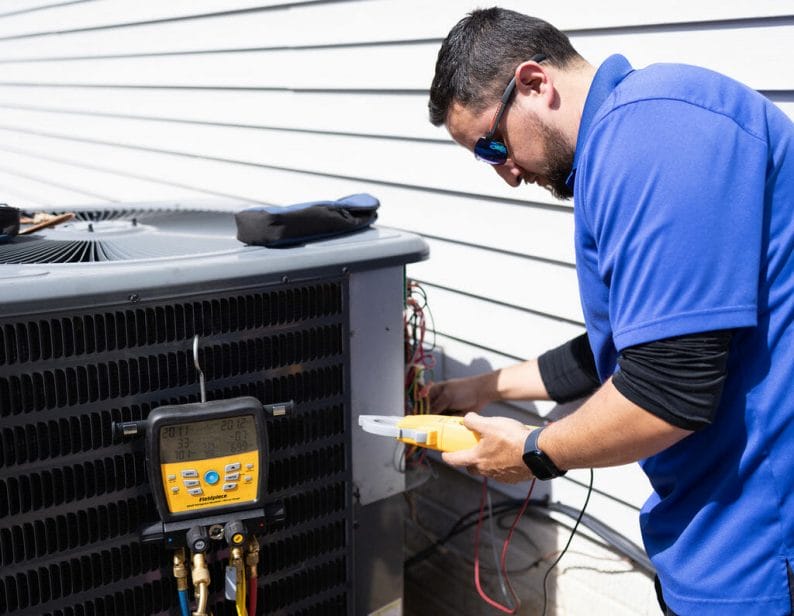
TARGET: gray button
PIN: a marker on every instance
(191, 483)
(232, 476)
(195, 491)
(171, 477)
(247, 478)
(230, 468)
(229, 486)
(175, 490)
(249, 466)
(189, 473)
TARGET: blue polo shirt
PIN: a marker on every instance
(684, 223)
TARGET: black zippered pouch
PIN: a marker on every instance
(275, 226)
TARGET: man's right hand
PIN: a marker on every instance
(458, 395)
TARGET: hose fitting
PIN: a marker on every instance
(201, 582)
(180, 569)
(252, 557)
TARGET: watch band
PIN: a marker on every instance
(538, 462)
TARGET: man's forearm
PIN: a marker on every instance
(607, 430)
(517, 382)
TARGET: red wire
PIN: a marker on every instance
(503, 559)
(252, 592)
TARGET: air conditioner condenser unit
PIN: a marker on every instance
(96, 326)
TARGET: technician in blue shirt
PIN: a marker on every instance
(683, 184)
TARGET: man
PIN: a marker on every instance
(683, 187)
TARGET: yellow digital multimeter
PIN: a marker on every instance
(439, 432)
(207, 458)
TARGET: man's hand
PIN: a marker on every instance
(499, 453)
(471, 394)
(461, 395)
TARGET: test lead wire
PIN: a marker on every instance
(505, 545)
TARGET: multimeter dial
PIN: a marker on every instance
(207, 457)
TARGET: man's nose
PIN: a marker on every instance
(509, 172)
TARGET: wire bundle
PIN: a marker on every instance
(542, 509)
(419, 359)
(503, 560)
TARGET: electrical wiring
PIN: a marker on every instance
(503, 561)
(527, 540)
(542, 508)
(419, 360)
(499, 575)
(611, 536)
(466, 556)
(567, 545)
(461, 525)
(413, 518)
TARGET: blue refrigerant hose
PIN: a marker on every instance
(183, 602)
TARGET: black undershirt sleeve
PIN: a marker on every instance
(568, 372)
(679, 379)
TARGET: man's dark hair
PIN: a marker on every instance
(479, 55)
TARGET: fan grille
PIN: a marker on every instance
(125, 235)
(72, 499)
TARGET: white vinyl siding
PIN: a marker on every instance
(283, 102)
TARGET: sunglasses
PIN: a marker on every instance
(494, 151)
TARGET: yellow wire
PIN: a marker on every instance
(423, 402)
(415, 387)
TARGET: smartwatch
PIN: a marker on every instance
(538, 462)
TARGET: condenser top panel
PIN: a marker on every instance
(166, 245)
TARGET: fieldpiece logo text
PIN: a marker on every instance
(204, 499)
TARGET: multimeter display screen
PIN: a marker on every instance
(214, 438)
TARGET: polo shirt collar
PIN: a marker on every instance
(607, 77)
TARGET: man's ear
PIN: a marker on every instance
(533, 79)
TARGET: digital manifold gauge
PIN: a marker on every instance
(207, 461)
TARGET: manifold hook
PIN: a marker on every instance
(202, 385)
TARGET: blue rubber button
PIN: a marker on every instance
(211, 477)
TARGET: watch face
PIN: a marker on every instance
(538, 462)
(540, 465)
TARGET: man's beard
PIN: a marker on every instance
(559, 160)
